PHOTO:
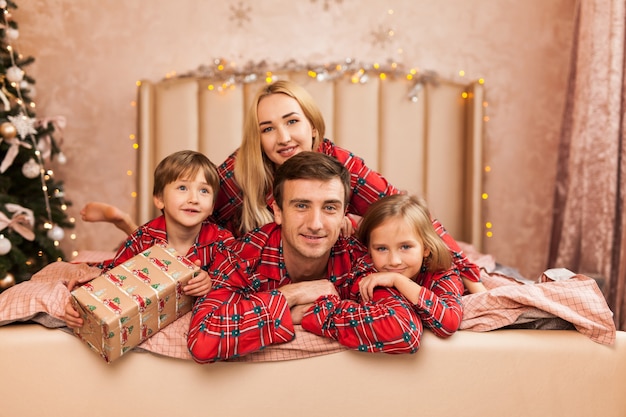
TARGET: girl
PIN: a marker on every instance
(283, 120)
(405, 252)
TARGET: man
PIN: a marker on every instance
(298, 270)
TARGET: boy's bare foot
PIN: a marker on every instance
(101, 212)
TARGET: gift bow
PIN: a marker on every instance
(22, 221)
(14, 149)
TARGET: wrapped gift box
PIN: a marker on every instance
(126, 305)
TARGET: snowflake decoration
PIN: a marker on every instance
(23, 124)
(240, 13)
(327, 3)
(381, 36)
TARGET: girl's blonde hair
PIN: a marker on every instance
(254, 171)
(415, 212)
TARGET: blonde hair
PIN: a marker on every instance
(415, 212)
(254, 171)
(184, 165)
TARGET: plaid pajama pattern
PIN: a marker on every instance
(211, 240)
(367, 185)
(439, 306)
(245, 312)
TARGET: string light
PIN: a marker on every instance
(27, 131)
(228, 75)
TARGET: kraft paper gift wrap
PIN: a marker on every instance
(131, 302)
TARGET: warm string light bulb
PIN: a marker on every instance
(486, 170)
(135, 145)
(324, 72)
(19, 100)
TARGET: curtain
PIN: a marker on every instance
(589, 224)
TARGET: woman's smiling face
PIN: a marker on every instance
(285, 130)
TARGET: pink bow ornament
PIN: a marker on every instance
(14, 149)
(21, 222)
(45, 142)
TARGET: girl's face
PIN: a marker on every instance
(394, 247)
(285, 130)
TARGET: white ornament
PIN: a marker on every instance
(12, 34)
(25, 125)
(7, 282)
(3, 4)
(32, 91)
(15, 74)
(61, 158)
(5, 245)
(31, 169)
(56, 233)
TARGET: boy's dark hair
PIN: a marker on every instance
(184, 164)
(311, 166)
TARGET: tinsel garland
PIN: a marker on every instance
(226, 74)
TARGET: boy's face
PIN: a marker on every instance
(186, 202)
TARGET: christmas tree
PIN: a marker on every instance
(32, 205)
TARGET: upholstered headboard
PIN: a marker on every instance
(425, 139)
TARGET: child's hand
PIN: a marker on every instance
(198, 285)
(377, 279)
(72, 317)
(474, 287)
(77, 281)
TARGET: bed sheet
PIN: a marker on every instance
(575, 302)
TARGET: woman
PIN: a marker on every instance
(283, 121)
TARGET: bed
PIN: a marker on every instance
(528, 347)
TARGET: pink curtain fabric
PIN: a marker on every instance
(589, 233)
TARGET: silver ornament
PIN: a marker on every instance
(31, 169)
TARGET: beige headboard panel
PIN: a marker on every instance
(431, 146)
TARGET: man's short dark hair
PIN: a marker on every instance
(311, 166)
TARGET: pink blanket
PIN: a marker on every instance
(577, 300)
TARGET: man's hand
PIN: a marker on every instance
(297, 312)
(306, 292)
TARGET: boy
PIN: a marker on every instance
(185, 189)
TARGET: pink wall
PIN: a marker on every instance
(90, 54)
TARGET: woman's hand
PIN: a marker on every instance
(350, 224)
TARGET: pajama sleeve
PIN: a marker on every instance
(385, 324)
(439, 305)
(235, 319)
